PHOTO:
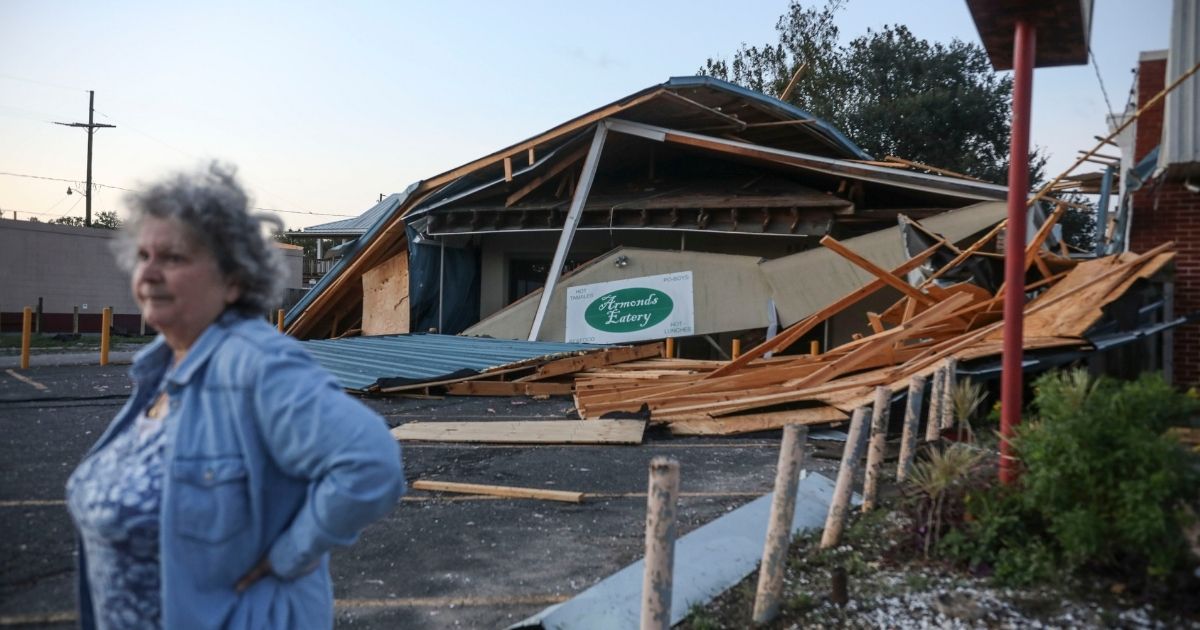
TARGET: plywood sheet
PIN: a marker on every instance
(525, 432)
(385, 297)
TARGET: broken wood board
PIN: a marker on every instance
(385, 297)
(497, 491)
(508, 388)
(734, 425)
(525, 432)
(607, 357)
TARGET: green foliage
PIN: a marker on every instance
(890, 91)
(107, 220)
(938, 486)
(1102, 488)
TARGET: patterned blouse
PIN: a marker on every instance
(114, 498)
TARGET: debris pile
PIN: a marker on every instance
(930, 324)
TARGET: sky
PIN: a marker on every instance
(323, 106)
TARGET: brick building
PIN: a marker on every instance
(1167, 207)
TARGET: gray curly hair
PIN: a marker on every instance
(215, 210)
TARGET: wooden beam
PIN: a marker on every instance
(886, 276)
(733, 120)
(508, 388)
(932, 169)
(748, 423)
(592, 360)
(525, 431)
(791, 86)
(511, 492)
(550, 173)
(508, 169)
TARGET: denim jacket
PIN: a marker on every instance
(266, 456)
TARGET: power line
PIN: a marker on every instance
(1101, 81)
(98, 185)
(35, 81)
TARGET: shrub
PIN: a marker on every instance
(1107, 482)
(1102, 487)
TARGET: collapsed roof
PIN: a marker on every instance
(694, 154)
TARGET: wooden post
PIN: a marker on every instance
(949, 382)
(75, 320)
(26, 335)
(879, 427)
(912, 419)
(660, 543)
(855, 441)
(814, 347)
(737, 349)
(105, 331)
(670, 347)
(933, 430)
(279, 320)
(779, 527)
(141, 325)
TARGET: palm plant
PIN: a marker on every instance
(937, 479)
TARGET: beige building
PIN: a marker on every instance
(67, 266)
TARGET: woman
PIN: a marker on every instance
(215, 495)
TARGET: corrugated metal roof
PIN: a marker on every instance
(358, 225)
(368, 363)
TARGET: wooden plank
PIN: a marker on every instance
(733, 425)
(508, 169)
(932, 169)
(509, 388)
(525, 432)
(880, 273)
(559, 166)
(385, 297)
(601, 358)
(513, 492)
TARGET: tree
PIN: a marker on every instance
(889, 91)
(107, 220)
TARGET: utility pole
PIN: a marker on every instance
(91, 127)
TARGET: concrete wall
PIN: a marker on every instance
(71, 266)
(64, 265)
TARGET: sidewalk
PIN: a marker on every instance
(57, 359)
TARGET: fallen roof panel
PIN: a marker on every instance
(368, 363)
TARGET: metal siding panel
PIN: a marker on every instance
(358, 363)
(1181, 129)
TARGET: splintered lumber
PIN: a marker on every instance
(508, 388)
(497, 491)
(887, 277)
(525, 432)
(734, 425)
(961, 322)
(611, 356)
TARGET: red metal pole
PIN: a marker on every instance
(1014, 245)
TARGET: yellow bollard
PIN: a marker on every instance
(670, 347)
(279, 319)
(737, 348)
(105, 325)
(814, 347)
(26, 333)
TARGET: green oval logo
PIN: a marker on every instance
(627, 310)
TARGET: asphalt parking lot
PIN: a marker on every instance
(437, 561)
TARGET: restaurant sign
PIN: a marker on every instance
(651, 307)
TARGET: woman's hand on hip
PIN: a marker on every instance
(260, 570)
